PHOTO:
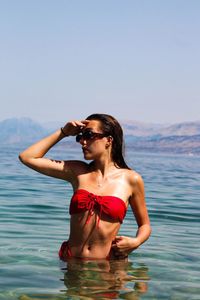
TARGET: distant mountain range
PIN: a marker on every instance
(14, 131)
(176, 138)
(145, 129)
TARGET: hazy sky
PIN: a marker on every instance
(137, 60)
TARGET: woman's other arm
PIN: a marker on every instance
(138, 205)
(123, 245)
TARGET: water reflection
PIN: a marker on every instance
(104, 279)
(98, 280)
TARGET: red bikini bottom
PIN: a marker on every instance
(65, 252)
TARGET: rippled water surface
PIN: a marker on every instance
(34, 221)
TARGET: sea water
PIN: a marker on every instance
(34, 221)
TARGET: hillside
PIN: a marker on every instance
(170, 144)
(14, 131)
(144, 129)
(175, 138)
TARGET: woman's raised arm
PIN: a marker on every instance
(33, 156)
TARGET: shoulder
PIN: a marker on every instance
(135, 180)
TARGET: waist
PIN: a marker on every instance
(97, 250)
(89, 241)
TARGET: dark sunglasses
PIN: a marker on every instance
(89, 135)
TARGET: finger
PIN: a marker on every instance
(77, 124)
(119, 241)
(119, 237)
(116, 244)
(85, 121)
(80, 123)
(74, 123)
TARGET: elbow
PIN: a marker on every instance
(149, 230)
(22, 158)
(149, 227)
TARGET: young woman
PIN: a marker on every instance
(103, 189)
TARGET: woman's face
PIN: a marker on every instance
(97, 146)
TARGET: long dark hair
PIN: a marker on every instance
(112, 127)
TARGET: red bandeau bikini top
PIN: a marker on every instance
(111, 206)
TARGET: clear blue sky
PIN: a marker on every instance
(137, 60)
